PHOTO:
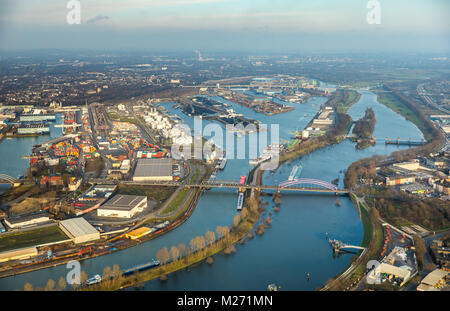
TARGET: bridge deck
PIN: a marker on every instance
(225, 186)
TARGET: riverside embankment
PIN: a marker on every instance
(295, 243)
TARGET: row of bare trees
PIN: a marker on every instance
(110, 277)
(199, 243)
(113, 277)
(51, 286)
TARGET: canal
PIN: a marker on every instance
(294, 245)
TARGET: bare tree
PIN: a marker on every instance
(219, 232)
(107, 273)
(117, 273)
(175, 253)
(210, 237)
(50, 285)
(62, 284)
(201, 242)
(163, 255)
(83, 277)
(236, 220)
(244, 213)
(182, 248)
(226, 232)
(28, 287)
(253, 204)
(193, 245)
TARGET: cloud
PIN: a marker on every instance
(97, 18)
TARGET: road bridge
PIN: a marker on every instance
(6, 179)
(296, 185)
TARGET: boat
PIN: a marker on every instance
(268, 153)
(223, 162)
(94, 280)
(142, 267)
(293, 172)
(240, 201)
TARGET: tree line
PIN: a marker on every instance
(364, 128)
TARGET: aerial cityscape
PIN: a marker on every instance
(202, 146)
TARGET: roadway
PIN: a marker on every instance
(427, 99)
(227, 185)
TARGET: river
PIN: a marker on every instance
(12, 149)
(294, 245)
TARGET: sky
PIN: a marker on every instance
(227, 25)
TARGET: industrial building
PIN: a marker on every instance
(123, 206)
(33, 129)
(153, 170)
(394, 179)
(434, 281)
(18, 254)
(36, 117)
(23, 221)
(390, 272)
(79, 230)
(326, 117)
(410, 165)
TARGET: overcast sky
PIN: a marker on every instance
(276, 25)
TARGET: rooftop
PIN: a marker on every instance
(434, 277)
(78, 227)
(20, 219)
(123, 202)
(153, 167)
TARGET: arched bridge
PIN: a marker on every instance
(305, 182)
(6, 179)
(300, 185)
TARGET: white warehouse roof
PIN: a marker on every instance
(79, 230)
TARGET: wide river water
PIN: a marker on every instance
(294, 245)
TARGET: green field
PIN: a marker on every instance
(393, 103)
(31, 238)
(342, 107)
(176, 202)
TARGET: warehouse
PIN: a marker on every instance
(123, 206)
(24, 221)
(389, 272)
(19, 254)
(434, 281)
(79, 230)
(138, 233)
(153, 170)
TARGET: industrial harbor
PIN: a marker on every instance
(162, 172)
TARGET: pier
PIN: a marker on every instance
(338, 246)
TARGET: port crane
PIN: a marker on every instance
(84, 251)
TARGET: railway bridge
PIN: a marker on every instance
(6, 179)
(296, 185)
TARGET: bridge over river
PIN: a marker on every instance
(6, 179)
(295, 185)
